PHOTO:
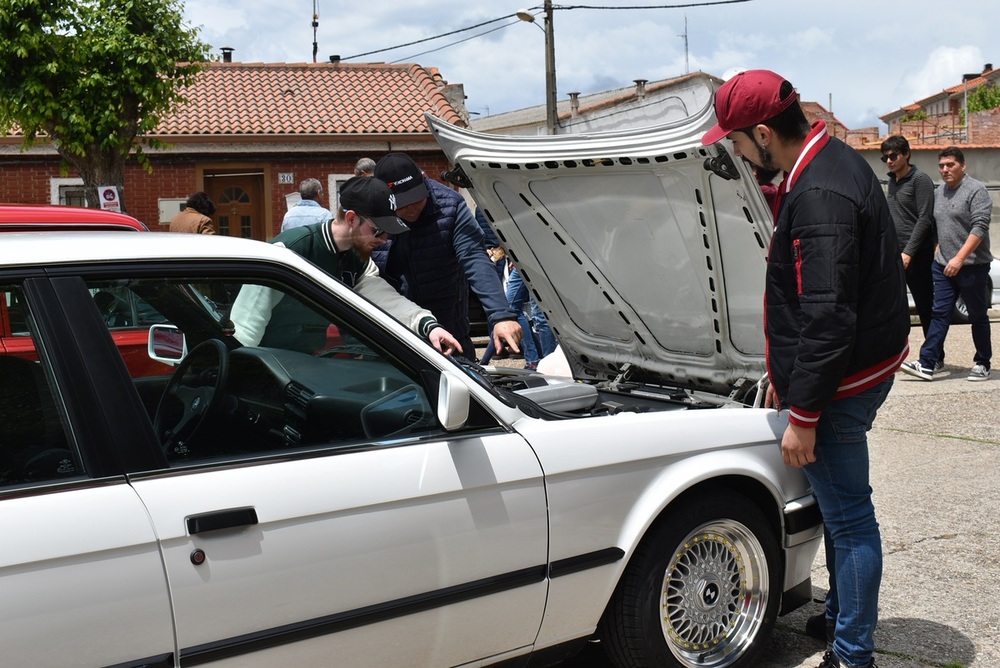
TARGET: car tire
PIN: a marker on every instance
(960, 314)
(702, 589)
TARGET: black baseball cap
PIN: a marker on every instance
(403, 177)
(371, 198)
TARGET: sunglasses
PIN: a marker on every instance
(890, 156)
(376, 231)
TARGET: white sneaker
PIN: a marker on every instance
(979, 372)
(914, 369)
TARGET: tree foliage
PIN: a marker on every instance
(94, 77)
(918, 115)
(984, 98)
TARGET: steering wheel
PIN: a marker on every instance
(194, 393)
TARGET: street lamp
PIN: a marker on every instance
(551, 114)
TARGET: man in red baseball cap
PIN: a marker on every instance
(747, 99)
(836, 323)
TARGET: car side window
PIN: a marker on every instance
(34, 447)
(122, 309)
(268, 370)
(15, 313)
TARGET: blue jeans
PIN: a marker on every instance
(971, 283)
(839, 478)
(538, 339)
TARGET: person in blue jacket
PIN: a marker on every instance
(308, 211)
(443, 254)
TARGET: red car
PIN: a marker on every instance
(128, 319)
(29, 218)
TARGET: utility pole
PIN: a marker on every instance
(315, 25)
(687, 65)
(551, 113)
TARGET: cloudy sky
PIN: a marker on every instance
(861, 58)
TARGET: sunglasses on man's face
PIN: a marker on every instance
(889, 156)
(376, 231)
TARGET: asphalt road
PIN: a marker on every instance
(936, 479)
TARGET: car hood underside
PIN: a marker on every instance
(645, 250)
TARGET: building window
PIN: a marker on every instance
(72, 196)
(334, 181)
(67, 191)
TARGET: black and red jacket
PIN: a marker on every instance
(836, 315)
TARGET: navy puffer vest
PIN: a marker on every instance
(426, 256)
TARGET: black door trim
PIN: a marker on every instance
(252, 642)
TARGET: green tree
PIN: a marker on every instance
(918, 115)
(93, 77)
(984, 98)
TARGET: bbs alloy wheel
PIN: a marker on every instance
(702, 589)
(714, 594)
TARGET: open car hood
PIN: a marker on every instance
(645, 249)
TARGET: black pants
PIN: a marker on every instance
(921, 284)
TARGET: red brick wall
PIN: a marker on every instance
(28, 181)
(984, 127)
(984, 130)
(143, 190)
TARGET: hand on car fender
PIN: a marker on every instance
(798, 446)
(507, 334)
(443, 341)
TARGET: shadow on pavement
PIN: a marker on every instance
(925, 641)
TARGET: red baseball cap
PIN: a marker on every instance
(749, 98)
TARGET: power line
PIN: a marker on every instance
(679, 6)
(428, 39)
(408, 59)
(706, 3)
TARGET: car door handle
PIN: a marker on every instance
(221, 519)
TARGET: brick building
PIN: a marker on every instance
(251, 132)
(939, 119)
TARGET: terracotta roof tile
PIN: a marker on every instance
(972, 83)
(310, 99)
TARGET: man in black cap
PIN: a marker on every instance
(836, 324)
(342, 248)
(442, 255)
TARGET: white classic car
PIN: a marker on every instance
(351, 497)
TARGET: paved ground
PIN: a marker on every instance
(935, 473)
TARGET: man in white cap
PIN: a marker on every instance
(836, 324)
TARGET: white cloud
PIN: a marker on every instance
(810, 39)
(872, 59)
(943, 68)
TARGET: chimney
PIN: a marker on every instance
(987, 67)
(574, 104)
(640, 88)
(227, 54)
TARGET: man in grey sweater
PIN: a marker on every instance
(962, 212)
